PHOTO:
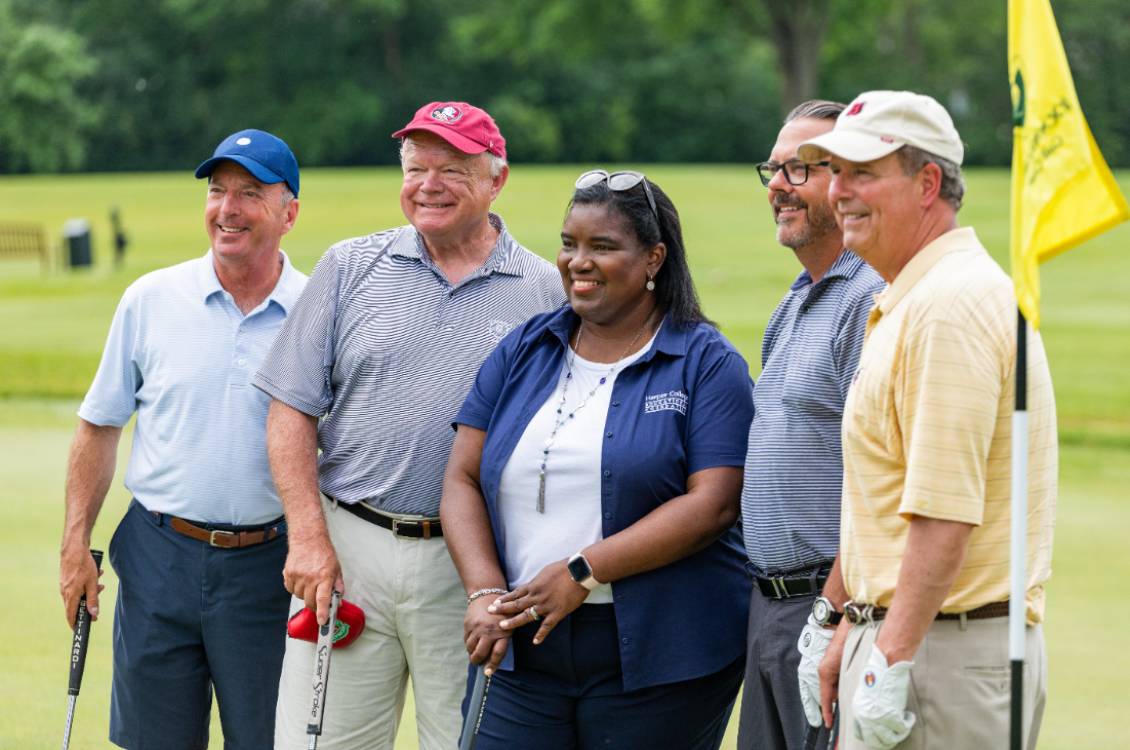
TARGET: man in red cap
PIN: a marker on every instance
(372, 367)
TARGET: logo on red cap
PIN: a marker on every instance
(855, 109)
(447, 114)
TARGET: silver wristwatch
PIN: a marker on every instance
(824, 612)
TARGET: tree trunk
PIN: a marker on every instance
(798, 28)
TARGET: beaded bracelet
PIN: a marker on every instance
(483, 592)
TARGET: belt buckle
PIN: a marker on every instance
(859, 613)
(779, 588)
(405, 523)
(212, 537)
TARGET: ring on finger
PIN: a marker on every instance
(533, 613)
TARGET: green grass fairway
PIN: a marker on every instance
(53, 327)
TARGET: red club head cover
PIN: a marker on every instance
(350, 621)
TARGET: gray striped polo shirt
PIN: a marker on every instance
(383, 350)
(794, 467)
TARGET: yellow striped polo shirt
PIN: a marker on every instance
(927, 428)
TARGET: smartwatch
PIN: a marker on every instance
(824, 612)
(581, 571)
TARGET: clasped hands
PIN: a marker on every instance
(548, 599)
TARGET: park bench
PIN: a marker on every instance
(24, 240)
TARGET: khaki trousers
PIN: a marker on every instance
(959, 686)
(414, 605)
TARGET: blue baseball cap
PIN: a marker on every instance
(265, 156)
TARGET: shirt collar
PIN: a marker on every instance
(671, 339)
(286, 292)
(845, 266)
(923, 261)
(503, 257)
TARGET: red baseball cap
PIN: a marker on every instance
(464, 126)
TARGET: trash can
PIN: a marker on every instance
(76, 235)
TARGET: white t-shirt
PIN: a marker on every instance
(572, 518)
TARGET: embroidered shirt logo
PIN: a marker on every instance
(499, 328)
(669, 401)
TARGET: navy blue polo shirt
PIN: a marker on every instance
(682, 407)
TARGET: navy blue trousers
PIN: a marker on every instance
(567, 694)
(191, 618)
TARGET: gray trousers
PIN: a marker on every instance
(772, 717)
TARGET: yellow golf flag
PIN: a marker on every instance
(1062, 190)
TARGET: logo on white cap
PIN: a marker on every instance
(447, 114)
(244, 141)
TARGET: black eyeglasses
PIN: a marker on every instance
(796, 171)
(618, 181)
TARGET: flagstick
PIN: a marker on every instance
(1017, 607)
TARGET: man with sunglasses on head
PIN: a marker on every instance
(793, 471)
(371, 369)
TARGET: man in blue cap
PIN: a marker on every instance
(199, 554)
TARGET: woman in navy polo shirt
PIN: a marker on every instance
(590, 499)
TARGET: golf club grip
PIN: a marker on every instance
(323, 649)
(474, 708)
(81, 638)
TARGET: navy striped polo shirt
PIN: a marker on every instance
(383, 349)
(794, 467)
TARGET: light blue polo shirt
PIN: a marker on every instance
(794, 470)
(181, 354)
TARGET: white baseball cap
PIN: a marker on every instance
(878, 123)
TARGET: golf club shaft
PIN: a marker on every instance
(323, 649)
(71, 699)
(811, 736)
(79, 643)
(474, 710)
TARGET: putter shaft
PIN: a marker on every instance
(71, 700)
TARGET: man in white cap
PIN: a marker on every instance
(927, 434)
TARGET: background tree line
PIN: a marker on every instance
(107, 85)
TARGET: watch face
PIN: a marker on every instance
(579, 568)
(820, 610)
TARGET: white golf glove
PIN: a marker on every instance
(812, 644)
(879, 704)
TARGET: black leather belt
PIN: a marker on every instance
(416, 528)
(796, 584)
(860, 613)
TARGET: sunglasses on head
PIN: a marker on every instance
(618, 181)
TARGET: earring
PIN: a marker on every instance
(650, 285)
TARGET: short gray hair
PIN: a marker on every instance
(494, 162)
(815, 109)
(913, 159)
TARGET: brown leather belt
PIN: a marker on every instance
(417, 528)
(222, 538)
(861, 613)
